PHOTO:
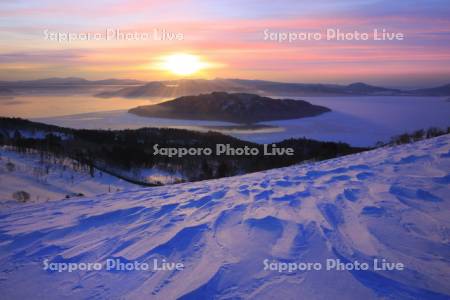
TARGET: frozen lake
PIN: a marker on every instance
(37, 106)
(360, 121)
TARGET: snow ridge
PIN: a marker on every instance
(389, 203)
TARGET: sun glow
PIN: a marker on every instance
(182, 64)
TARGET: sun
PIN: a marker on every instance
(182, 64)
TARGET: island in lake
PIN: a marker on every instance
(231, 107)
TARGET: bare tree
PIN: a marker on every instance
(21, 196)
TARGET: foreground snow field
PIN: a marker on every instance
(390, 203)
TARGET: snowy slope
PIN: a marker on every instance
(52, 179)
(390, 203)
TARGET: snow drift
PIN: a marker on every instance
(390, 203)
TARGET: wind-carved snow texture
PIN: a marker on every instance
(390, 203)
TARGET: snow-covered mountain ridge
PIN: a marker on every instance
(390, 203)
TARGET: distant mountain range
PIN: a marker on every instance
(237, 108)
(67, 81)
(129, 88)
(443, 90)
(186, 87)
(177, 88)
(64, 86)
(6, 92)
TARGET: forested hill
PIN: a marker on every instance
(231, 107)
(126, 153)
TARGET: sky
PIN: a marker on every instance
(230, 38)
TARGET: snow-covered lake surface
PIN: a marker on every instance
(360, 121)
(390, 203)
(363, 121)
